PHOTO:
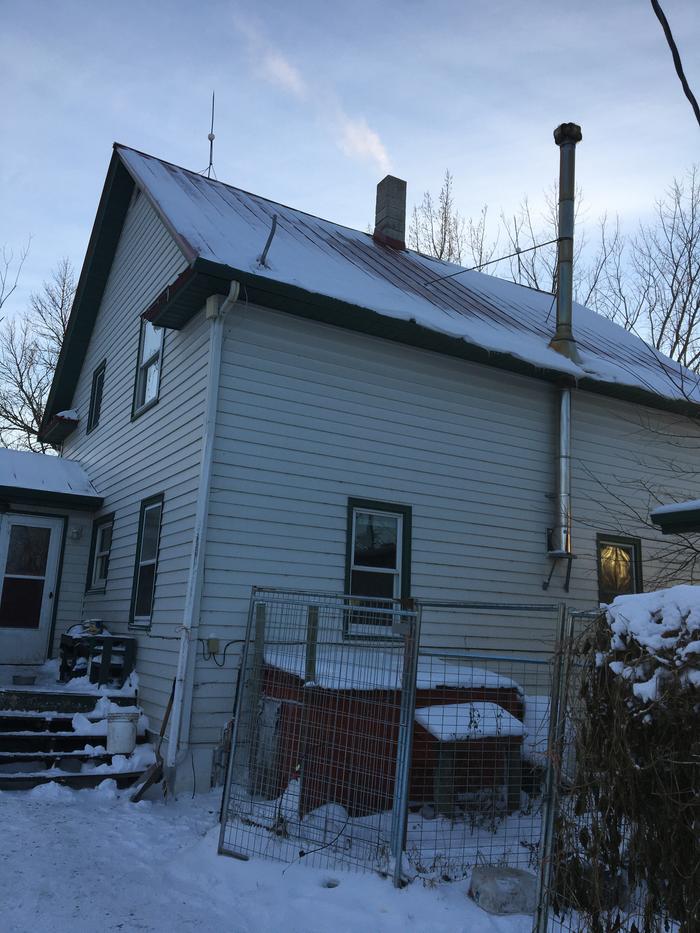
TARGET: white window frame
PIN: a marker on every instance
(143, 367)
(397, 571)
(153, 502)
(97, 582)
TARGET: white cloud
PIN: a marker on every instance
(268, 61)
(281, 72)
(352, 135)
(359, 141)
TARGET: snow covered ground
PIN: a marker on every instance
(90, 860)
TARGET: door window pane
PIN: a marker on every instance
(20, 606)
(28, 550)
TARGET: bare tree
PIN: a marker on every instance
(29, 348)
(437, 228)
(649, 283)
(10, 271)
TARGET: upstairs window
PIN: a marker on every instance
(378, 563)
(99, 552)
(149, 367)
(619, 567)
(98, 381)
(147, 546)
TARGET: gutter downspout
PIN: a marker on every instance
(566, 136)
(178, 734)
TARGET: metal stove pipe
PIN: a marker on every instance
(566, 136)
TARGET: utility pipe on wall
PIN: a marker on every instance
(178, 734)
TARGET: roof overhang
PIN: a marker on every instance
(106, 230)
(58, 429)
(678, 518)
(185, 297)
(14, 495)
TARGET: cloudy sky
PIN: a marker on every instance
(317, 100)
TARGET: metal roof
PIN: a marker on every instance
(228, 227)
(42, 478)
(341, 276)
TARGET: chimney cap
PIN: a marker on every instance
(567, 133)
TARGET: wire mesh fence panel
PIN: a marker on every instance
(480, 737)
(318, 733)
(370, 737)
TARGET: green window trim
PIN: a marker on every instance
(628, 543)
(97, 524)
(96, 394)
(144, 621)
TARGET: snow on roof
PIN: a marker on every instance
(457, 722)
(44, 473)
(225, 225)
(359, 668)
(674, 508)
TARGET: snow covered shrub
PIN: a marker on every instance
(629, 827)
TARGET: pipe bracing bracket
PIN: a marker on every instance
(555, 557)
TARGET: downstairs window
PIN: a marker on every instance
(619, 566)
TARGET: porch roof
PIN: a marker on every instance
(41, 479)
(677, 517)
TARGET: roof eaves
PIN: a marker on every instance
(19, 496)
(109, 219)
(682, 521)
(280, 296)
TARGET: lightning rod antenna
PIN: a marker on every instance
(211, 139)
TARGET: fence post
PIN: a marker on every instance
(311, 643)
(405, 743)
(555, 741)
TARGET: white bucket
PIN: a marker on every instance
(121, 733)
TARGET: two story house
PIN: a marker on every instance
(252, 396)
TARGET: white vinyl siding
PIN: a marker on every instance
(310, 415)
(131, 460)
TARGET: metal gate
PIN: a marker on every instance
(321, 741)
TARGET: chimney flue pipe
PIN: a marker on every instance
(566, 136)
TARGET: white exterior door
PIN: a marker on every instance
(29, 553)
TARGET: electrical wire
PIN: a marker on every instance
(490, 262)
(661, 16)
(211, 655)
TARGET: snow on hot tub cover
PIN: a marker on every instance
(42, 473)
(225, 225)
(360, 668)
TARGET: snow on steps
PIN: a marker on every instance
(46, 737)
